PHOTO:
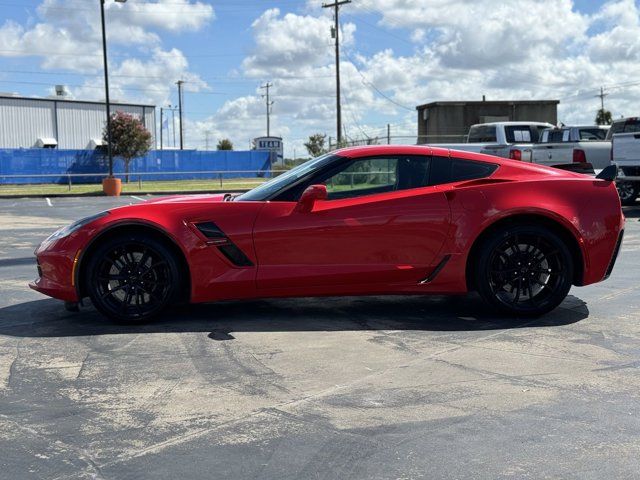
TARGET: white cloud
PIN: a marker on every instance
(291, 42)
(620, 40)
(68, 35)
(149, 81)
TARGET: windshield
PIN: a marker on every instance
(267, 189)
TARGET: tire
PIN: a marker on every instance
(524, 270)
(628, 192)
(132, 278)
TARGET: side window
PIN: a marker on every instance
(378, 175)
(470, 170)
(363, 177)
(447, 170)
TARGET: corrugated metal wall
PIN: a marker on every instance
(23, 121)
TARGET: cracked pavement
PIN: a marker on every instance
(330, 388)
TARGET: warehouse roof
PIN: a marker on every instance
(486, 102)
(70, 100)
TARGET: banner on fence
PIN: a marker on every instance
(23, 165)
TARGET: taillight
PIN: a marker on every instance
(579, 156)
(515, 154)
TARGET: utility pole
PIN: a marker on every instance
(206, 140)
(179, 83)
(161, 127)
(388, 134)
(173, 121)
(336, 33)
(602, 95)
(266, 87)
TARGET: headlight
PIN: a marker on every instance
(69, 229)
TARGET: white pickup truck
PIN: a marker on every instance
(500, 138)
(566, 145)
(625, 153)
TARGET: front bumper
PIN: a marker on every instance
(56, 272)
(54, 289)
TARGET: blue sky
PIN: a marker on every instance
(396, 55)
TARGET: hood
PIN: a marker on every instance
(217, 197)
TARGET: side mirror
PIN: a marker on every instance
(310, 196)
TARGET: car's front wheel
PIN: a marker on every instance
(132, 278)
(524, 270)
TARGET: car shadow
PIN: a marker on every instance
(631, 212)
(48, 318)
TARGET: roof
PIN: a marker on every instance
(487, 102)
(69, 100)
(374, 150)
(516, 123)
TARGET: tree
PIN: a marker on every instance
(225, 144)
(129, 138)
(603, 117)
(315, 145)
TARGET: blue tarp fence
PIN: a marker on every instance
(24, 165)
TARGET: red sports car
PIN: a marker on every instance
(359, 221)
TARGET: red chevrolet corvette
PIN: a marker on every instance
(358, 221)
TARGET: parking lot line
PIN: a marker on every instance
(48, 202)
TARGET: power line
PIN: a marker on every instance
(371, 85)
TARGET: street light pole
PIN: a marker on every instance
(106, 88)
(180, 83)
(106, 85)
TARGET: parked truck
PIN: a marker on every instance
(579, 144)
(625, 153)
(501, 138)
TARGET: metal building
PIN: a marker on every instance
(58, 122)
(449, 122)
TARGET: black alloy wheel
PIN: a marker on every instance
(628, 192)
(524, 270)
(132, 279)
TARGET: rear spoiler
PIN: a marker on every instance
(577, 167)
(609, 173)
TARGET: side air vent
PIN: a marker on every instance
(235, 255)
(211, 231)
(215, 236)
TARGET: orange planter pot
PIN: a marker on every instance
(112, 186)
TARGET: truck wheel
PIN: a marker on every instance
(628, 192)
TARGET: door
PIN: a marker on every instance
(381, 224)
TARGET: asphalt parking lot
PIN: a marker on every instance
(373, 387)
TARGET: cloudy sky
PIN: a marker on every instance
(396, 54)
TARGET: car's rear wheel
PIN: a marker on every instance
(132, 278)
(524, 270)
(628, 192)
